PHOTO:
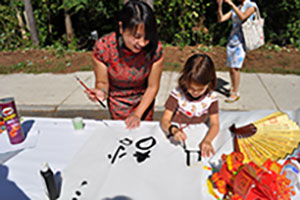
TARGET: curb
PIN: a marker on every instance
(67, 113)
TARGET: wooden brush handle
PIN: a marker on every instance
(244, 131)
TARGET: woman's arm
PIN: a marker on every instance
(206, 144)
(152, 88)
(133, 120)
(101, 83)
(242, 15)
(221, 16)
(165, 124)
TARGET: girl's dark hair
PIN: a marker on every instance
(136, 12)
(198, 69)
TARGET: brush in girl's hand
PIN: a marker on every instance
(88, 89)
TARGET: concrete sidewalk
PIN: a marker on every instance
(60, 95)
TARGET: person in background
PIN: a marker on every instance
(149, 2)
(235, 48)
(193, 101)
(128, 65)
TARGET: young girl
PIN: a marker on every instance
(128, 65)
(193, 101)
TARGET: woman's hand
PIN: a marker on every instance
(220, 2)
(206, 148)
(132, 121)
(93, 94)
(229, 2)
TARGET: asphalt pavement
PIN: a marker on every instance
(61, 95)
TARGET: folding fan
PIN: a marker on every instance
(274, 137)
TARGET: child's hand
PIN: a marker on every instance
(179, 136)
(206, 148)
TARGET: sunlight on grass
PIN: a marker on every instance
(30, 67)
(249, 70)
(170, 66)
(281, 70)
(285, 62)
(13, 68)
(86, 68)
(268, 56)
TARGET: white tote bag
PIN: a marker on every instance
(253, 32)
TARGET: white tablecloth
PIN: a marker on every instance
(94, 156)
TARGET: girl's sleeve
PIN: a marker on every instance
(213, 108)
(158, 53)
(171, 103)
(100, 51)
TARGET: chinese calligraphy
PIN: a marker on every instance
(143, 145)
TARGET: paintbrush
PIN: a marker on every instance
(88, 89)
(183, 144)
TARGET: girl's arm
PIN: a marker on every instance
(101, 83)
(221, 16)
(242, 15)
(206, 144)
(165, 123)
(133, 120)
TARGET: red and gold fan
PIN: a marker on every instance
(274, 137)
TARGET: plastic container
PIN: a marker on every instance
(292, 169)
(77, 123)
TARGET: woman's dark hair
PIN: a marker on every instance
(198, 69)
(136, 12)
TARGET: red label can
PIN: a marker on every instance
(11, 120)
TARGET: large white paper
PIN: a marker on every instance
(58, 142)
(82, 157)
(163, 175)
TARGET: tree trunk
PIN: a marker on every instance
(68, 24)
(149, 2)
(31, 22)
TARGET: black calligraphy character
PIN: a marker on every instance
(142, 156)
(79, 192)
(126, 141)
(116, 154)
(188, 156)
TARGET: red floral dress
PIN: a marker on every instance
(128, 76)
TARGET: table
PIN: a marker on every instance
(110, 159)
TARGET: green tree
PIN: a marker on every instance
(70, 8)
(182, 21)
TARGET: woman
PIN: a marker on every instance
(128, 65)
(236, 51)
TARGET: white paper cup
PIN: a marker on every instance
(77, 123)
